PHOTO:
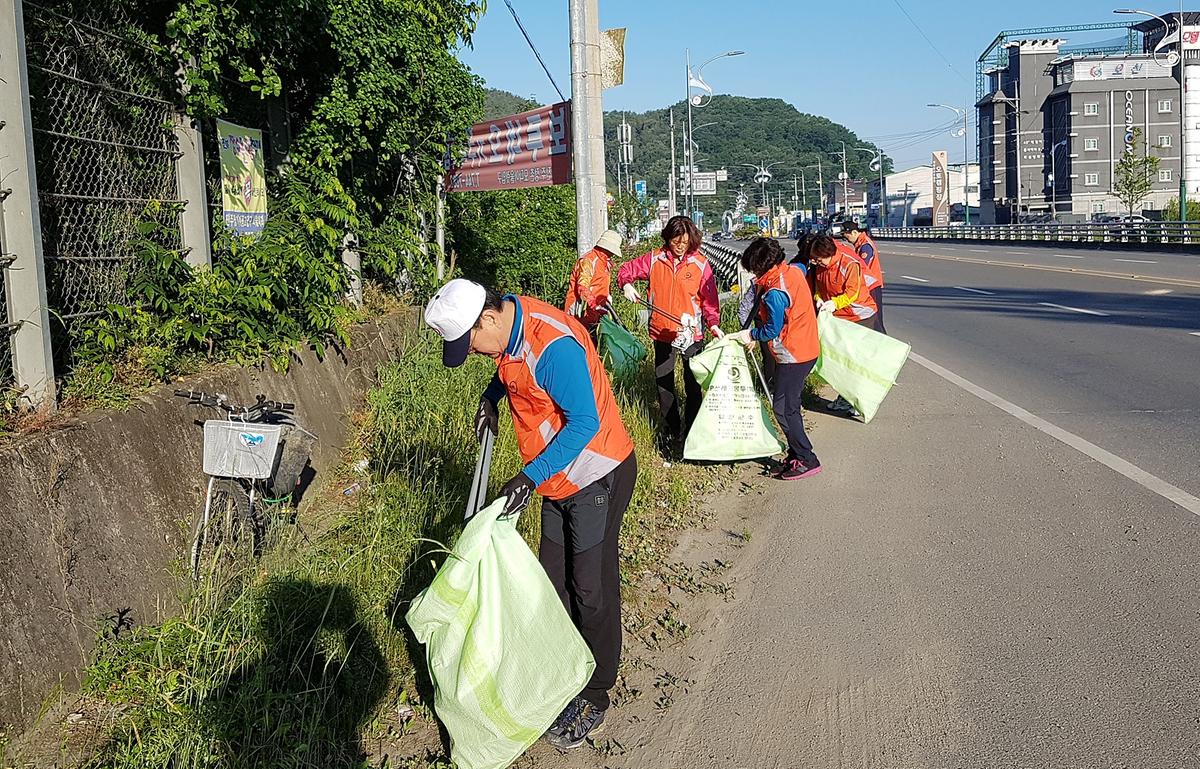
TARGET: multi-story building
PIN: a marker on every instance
(1053, 124)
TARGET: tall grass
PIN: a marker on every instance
(288, 661)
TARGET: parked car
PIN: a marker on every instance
(717, 237)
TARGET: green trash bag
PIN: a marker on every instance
(733, 424)
(618, 348)
(503, 654)
(858, 362)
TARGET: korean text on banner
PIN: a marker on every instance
(532, 149)
(243, 178)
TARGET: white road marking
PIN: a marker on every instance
(976, 290)
(919, 280)
(1136, 261)
(1074, 309)
(979, 251)
(1157, 292)
(1134, 473)
(1194, 333)
(1068, 256)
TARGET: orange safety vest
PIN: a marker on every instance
(675, 288)
(590, 284)
(873, 272)
(797, 342)
(537, 418)
(844, 276)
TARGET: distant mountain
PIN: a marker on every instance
(749, 131)
(746, 131)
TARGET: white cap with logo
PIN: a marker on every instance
(452, 313)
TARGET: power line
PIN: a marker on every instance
(927, 40)
(533, 48)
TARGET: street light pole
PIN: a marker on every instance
(696, 81)
(1173, 58)
(962, 112)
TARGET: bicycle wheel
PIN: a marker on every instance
(231, 531)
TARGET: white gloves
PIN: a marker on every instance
(742, 336)
(827, 305)
(716, 332)
(631, 293)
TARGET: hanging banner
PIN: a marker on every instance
(243, 178)
(532, 149)
(941, 190)
(612, 58)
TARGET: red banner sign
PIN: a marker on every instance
(532, 149)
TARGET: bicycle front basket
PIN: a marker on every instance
(240, 449)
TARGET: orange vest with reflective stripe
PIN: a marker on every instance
(537, 419)
(797, 342)
(590, 277)
(675, 288)
(839, 278)
(873, 272)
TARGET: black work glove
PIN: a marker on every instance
(486, 418)
(518, 491)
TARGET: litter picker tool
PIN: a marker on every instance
(483, 471)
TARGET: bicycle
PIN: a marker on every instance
(254, 457)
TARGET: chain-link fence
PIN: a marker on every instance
(104, 140)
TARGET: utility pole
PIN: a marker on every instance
(906, 204)
(845, 184)
(967, 173)
(689, 153)
(674, 170)
(587, 123)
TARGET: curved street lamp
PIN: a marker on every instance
(695, 80)
(962, 112)
(877, 165)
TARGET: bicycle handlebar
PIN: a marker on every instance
(262, 407)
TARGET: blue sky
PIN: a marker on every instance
(805, 53)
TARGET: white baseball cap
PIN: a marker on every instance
(452, 313)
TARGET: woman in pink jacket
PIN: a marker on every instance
(681, 288)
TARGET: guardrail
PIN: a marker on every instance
(1152, 233)
(725, 262)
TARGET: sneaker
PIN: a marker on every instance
(781, 467)
(568, 714)
(840, 404)
(798, 470)
(575, 732)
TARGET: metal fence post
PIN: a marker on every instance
(25, 277)
(189, 174)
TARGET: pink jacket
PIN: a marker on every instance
(638, 268)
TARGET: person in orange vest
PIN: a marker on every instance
(588, 290)
(867, 253)
(577, 454)
(681, 284)
(839, 287)
(787, 323)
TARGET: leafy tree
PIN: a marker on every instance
(1171, 210)
(628, 214)
(1135, 172)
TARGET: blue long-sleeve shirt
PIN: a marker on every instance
(777, 302)
(562, 372)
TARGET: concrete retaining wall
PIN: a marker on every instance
(95, 516)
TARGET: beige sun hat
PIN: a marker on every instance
(610, 241)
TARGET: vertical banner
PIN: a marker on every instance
(532, 149)
(612, 58)
(941, 190)
(243, 178)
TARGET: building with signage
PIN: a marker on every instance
(1054, 120)
(910, 194)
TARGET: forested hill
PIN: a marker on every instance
(745, 131)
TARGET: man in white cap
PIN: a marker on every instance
(578, 457)
(589, 290)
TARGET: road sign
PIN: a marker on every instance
(722, 175)
(704, 183)
(639, 189)
(748, 219)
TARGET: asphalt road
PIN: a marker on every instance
(960, 587)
